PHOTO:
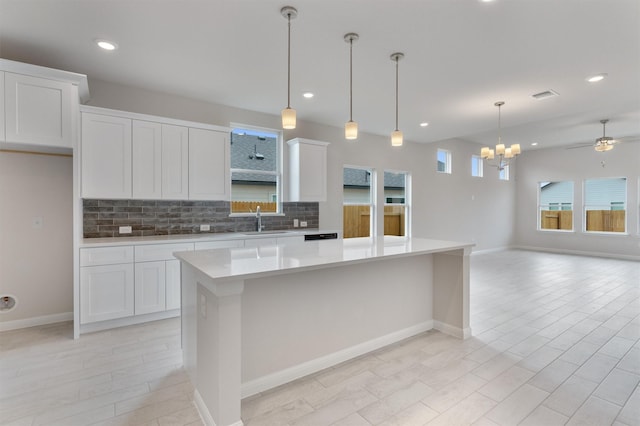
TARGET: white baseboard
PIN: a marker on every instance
(205, 415)
(289, 374)
(580, 253)
(123, 322)
(460, 333)
(35, 321)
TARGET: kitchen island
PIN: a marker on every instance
(255, 318)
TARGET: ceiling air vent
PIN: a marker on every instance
(544, 95)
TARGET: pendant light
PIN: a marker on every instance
(351, 127)
(289, 114)
(396, 135)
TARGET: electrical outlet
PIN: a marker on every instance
(303, 224)
(205, 227)
(296, 223)
(124, 230)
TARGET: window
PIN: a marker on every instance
(605, 204)
(555, 205)
(504, 173)
(255, 170)
(357, 209)
(444, 161)
(476, 166)
(396, 203)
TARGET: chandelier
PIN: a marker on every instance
(501, 156)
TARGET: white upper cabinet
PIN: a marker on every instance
(307, 170)
(134, 156)
(208, 165)
(147, 160)
(2, 138)
(38, 111)
(106, 156)
(175, 162)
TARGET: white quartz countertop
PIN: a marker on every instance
(191, 238)
(231, 264)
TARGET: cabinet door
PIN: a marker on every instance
(175, 162)
(106, 156)
(150, 294)
(2, 137)
(173, 284)
(307, 170)
(147, 160)
(38, 111)
(106, 292)
(208, 165)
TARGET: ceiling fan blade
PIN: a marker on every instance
(582, 145)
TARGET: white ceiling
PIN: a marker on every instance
(460, 57)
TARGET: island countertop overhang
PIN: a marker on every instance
(232, 264)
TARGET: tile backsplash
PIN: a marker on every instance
(102, 218)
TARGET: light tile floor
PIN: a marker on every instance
(556, 341)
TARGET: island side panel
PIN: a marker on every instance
(451, 271)
(219, 329)
(302, 322)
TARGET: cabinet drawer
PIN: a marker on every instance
(153, 252)
(106, 255)
(205, 245)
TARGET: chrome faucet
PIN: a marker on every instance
(259, 217)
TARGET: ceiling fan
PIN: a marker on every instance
(602, 144)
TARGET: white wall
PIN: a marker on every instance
(36, 264)
(454, 207)
(577, 165)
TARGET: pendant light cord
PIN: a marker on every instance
(351, 79)
(289, 61)
(397, 93)
(499, 124)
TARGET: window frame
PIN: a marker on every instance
(585, 207)
(407, 200)
(372, 198)
(447, 163)
(480, 166)
(505, 173)
(278, 173)
(559, 206)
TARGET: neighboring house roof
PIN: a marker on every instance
(254, 153)
(361, 178)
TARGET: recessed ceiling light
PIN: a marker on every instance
(106, 44)
(534, 143)
(424, 124)
(308, 95)
(486, 1)
(597, 77)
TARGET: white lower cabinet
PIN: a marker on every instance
(106, 292)
(119, 282)
(150, 282)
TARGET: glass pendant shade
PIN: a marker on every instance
(351, 130)
(288, 118)
(396, 138)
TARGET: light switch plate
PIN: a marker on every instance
(205, 227)
(124, 230)
(303, 224)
